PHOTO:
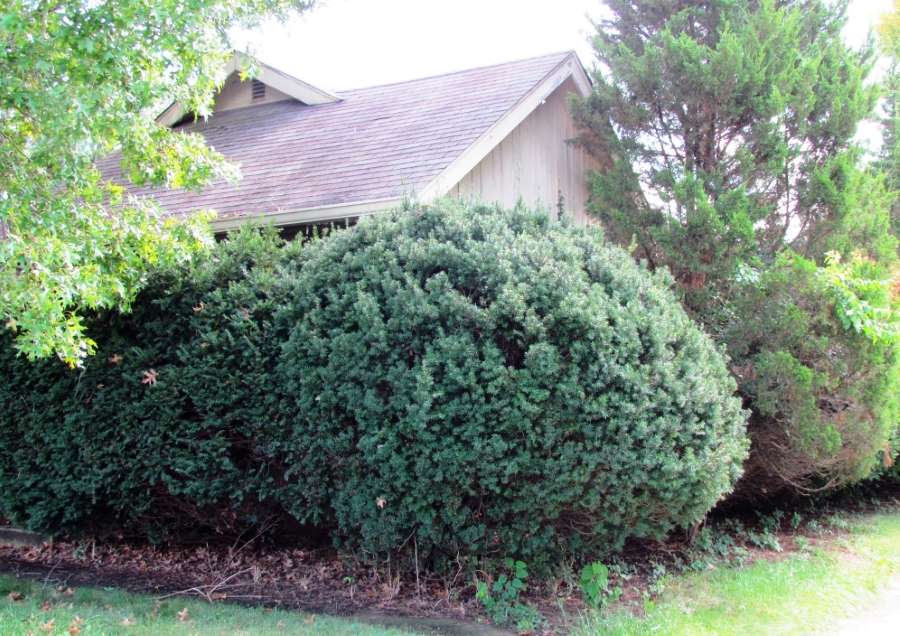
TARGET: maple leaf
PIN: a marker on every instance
(183, 615)
(150, 377)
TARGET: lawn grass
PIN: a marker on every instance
(798, 594)
(44, 610)
(801, 593)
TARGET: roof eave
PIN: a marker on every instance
(317, 214)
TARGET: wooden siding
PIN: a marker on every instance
(237, 94)
(535, 162)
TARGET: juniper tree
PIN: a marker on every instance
(889, 158)
(728, 131)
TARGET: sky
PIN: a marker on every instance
(353, 43)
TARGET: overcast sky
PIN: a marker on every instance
(352, 43)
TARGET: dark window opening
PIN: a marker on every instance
(306, 231)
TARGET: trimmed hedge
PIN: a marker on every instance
(486, 382)
(166, 427)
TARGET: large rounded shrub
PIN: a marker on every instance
(490, 382)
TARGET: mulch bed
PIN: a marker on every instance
(300, 579)
(322, 581)
(315, 581)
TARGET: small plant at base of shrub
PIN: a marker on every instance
(595, 586)
(500, 599)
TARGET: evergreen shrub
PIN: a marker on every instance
(821, 368)
(165, 428)
(492, 382)
(463, 379)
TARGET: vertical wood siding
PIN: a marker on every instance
(535, 162)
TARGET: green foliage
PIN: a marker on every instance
(168, 427)
(889, 159)
(450, 367)
(822, 369)
(79, 80)
(863, 297)
(728, 131)
(424, 377)
(500, 599)
(735, 121)
(595, 588)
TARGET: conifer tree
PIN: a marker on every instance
(728, 130)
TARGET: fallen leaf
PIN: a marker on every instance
(381, 502)
(45, 606)
(75, 626)
(150, 377)
(68, 592)
(183, 615)
(15, 596)
(218, 596)
(199, 308)
(48, 626)
(127, 621)
(115, 358)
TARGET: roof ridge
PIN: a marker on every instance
(460, 71)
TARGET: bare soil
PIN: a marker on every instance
(312, 581)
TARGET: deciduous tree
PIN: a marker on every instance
(80, 79)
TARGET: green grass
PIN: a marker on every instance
(798, 594)
(44, 611)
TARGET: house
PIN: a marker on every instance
(308, 156)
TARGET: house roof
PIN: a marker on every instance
(302, 162)
(287, 84)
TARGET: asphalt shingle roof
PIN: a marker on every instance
(377, 143)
